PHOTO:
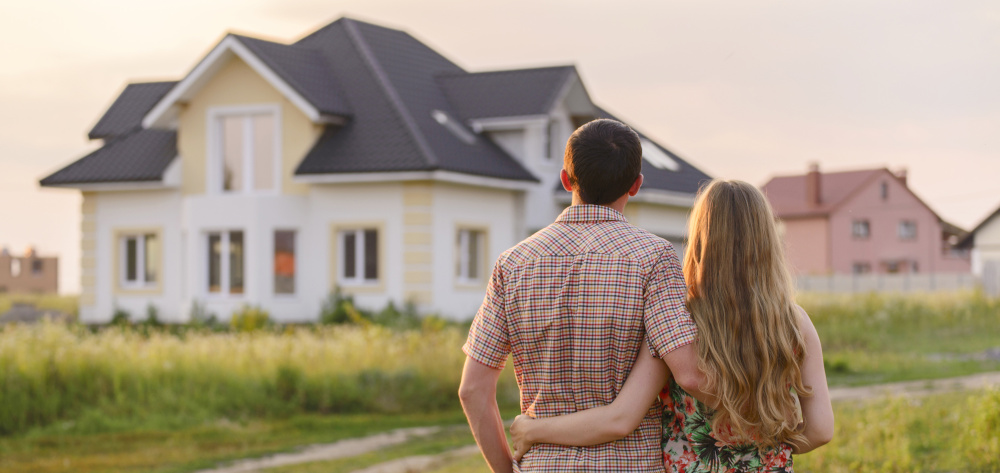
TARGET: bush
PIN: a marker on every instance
(339, 309)
(250, 318)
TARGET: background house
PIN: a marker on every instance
(28, 273)
(984, 243)
(356, 157)
(860, 222)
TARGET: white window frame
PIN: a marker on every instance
(295, 275)
(359, 257)
(907, 224)
(140, 262)
(224, 269)
(464, 234)
(216, 158)
(855, 224)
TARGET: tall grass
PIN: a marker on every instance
(52, 372)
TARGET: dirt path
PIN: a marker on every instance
(330, 451)
(352, 447)
(916, 388)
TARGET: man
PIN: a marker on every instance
(573, 304)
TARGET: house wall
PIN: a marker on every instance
(884, 243)
(807, 245)
(46, 280)
(987, 246)
(236, 84)
(114, 213)
(666, 221)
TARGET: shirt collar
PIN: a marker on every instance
(589, 213)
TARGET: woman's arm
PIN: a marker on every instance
(816, 409)
(600, 424)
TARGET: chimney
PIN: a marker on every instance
(901, 176)
(813, 190)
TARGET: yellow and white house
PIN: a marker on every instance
(356, 157)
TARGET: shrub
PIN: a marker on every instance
(339, 309)
(250, 318)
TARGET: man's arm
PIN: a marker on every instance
(478, 393)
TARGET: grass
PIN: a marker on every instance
(872, 339)
(940, 433)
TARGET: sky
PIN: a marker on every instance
(743, 90)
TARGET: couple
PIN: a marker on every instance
(599, 321)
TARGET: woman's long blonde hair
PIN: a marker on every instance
(741, 297)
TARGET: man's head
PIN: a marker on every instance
(602, 161)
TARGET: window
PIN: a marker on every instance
(884, 190)
(471, 250)
(861, 268)
(225, 262)
(284, 262)
(359, 256)
(860, 229)
(248, 152)
(140, 259)
(907, 230)
(36, 267)
(15, 267)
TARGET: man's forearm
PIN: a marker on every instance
(487, 427)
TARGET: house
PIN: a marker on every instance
(984, 243)
(30, 273)
(858, 222)
(356, 157)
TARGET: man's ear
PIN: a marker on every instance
(632, 191)
(564, 177)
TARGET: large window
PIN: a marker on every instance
(471, 255)
(860, 229)
(907, 230)
(140, 260)
(225, 262)
(358, 256)
(248, 154)
(284, 262)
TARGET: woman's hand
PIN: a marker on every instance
(520, 432)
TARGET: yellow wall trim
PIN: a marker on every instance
(417, 277)
(413, 218)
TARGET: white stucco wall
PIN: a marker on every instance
(116, 211)
(987, 245)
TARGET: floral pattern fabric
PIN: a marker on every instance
(689, 446)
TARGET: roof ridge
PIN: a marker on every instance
(502, 71)
(369, 58)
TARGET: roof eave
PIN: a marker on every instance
(418, 175)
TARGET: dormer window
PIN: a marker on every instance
(246, 150)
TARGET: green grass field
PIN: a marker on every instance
(150, 399)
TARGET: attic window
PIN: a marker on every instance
(454, 127)
(655, 156)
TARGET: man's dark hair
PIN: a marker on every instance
(603, 158)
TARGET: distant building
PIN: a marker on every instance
(984, 242)
(862, 222)
(356, 157)
(30, 273)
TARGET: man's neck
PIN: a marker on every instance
(618, 205)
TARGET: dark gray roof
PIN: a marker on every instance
(393, 75)
(509, 93)
(688, 179)
(305, 69)
(126, 113)
(141, 155)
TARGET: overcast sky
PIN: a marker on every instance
(743, 90)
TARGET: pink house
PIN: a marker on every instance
(860, 222)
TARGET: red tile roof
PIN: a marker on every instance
(787, 194)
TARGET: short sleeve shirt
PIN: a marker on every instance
(571, 305)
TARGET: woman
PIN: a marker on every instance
(759, 351)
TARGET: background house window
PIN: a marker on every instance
(15, 267)
(861, 268)
(860, 229)
(907, 230)
(36, 267)
(140, 260)
(284, 262)
(469, 265)
(248, 153)
(884, 190)
(359, 256)
(225, 262)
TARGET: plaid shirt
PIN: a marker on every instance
(572, 304)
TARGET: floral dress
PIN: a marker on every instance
(689, 447)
